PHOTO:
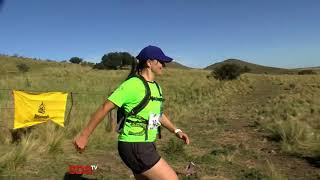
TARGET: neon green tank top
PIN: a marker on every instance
(129, 94)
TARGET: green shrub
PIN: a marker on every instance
(245, 69)
(306, 71)
(23, 67)
(228, 72)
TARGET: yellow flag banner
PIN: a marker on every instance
(31, 109)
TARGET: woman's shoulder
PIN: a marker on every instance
(133, 81)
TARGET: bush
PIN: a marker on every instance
(116, 60)
(245, 69)
(306, 71)
(76, 60)
(228, 72)
(23, 67)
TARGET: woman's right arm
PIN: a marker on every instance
(82, 140)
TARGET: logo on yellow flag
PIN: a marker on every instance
(42, 108)
(32, 109)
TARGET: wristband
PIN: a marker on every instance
(177, 130)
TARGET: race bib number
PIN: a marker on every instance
(154, 121)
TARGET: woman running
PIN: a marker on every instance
(139, 131)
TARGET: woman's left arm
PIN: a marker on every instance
(165, 121)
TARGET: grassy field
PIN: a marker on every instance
(255, 127)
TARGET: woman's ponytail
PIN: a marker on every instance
(134, 69)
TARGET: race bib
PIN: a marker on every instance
(154, 121)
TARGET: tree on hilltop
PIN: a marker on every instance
(116, 60)
(76, 60)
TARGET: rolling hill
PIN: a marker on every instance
(8, 63)
(175, 64)
(254, 68)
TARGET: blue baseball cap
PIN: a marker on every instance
(153, 52)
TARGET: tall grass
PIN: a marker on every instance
(50, 138)
(274, 173)
(18, 155)
(193, 102)
(292, 118)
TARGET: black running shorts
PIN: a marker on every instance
(138, 156)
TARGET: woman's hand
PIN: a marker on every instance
(80, 142)
(168, 124)
(183, 136)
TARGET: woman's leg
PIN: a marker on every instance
(160, 171)
(140, 177)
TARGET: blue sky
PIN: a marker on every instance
(279, 33)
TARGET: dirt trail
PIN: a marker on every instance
(245, 133)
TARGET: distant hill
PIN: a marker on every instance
(8, 63)
(254, 68)
(175, 64)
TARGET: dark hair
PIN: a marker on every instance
(136, 68)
